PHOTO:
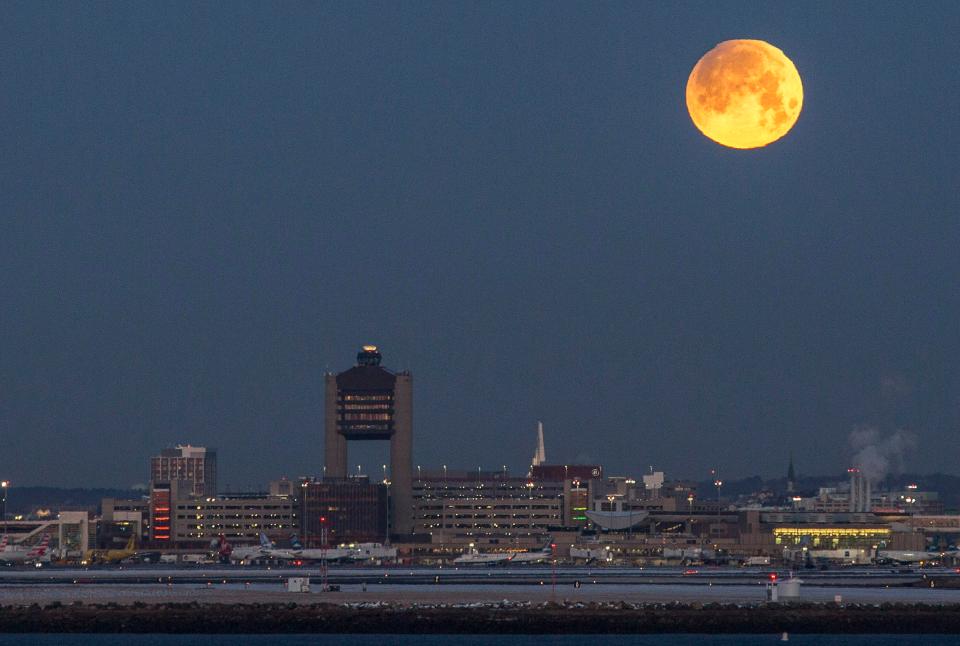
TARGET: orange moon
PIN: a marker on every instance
(744, 94)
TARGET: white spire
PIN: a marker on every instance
(540, 454)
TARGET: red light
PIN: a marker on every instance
(323, 519)
(773, 576)
(553, 546)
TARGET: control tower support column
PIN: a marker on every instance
(335, 444)
(401, 457)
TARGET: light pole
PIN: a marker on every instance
(553, 574)
(324, 587)
(718, 483)
(3, 503)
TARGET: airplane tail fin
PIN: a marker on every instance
(224, 549)
(295, 542)
(264, 541)
(3, 543)
(131, 544)
(41, 547)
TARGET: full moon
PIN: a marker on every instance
(744, 94)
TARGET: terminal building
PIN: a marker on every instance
(196, 522)
(487, 507)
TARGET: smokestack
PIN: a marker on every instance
(859, 491)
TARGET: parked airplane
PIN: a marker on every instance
(371, 552)
(112, 556)
(243, 554)
(475, 557)
(538, 556)
(300, 553)
(902, 557)
(14, 554)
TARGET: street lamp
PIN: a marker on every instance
(718, 483)
(3, 503)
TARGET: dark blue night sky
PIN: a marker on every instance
(205, 206)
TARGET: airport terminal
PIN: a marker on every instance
(431, 516)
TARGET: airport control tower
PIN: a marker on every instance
(369, 402)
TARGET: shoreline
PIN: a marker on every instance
(490, 618)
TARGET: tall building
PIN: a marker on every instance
(350, 510)
(193, 464)
(369, 402)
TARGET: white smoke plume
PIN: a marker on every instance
(877, 456)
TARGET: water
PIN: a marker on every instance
(476, 640)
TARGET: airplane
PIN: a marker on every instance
(901, 557)
(244, 554)
(298, 552)
(112, 556)
(371, 551)
(475, 557)
(545, 553)
(10, 555)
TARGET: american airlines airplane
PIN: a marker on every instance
(11, 555)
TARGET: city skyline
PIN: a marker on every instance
(205, 212)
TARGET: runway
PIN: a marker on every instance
(397, 585)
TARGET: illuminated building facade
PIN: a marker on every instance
(581, 483)
(486, 507)
(240, 518)
(161, 497)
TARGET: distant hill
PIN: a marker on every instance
(26, 500)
